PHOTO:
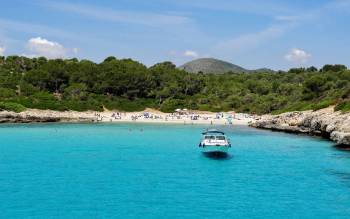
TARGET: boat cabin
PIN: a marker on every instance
(214, 137)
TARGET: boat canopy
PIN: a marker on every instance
(213, 132)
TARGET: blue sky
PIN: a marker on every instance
(253, 34)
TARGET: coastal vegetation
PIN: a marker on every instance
(125, 84)
(14, 107)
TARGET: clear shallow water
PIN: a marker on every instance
(157, 171)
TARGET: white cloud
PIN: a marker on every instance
(2, 50)
(43, 47)
(180, 57)
(297, 56)
(190, 53)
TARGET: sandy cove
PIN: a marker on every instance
(147, 116)
(327, 123)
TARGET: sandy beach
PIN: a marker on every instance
(195, 117)
(146, 116)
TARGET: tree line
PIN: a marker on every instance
(127, 85)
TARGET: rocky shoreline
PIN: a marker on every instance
(326, 123)
(44, 116)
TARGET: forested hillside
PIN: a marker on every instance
(129, 85)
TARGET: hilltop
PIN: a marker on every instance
(211, 65)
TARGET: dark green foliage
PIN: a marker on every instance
(312, 69)
(333, 68)
(128, 85)
(313, 86)
(297, 70)
(76, 91)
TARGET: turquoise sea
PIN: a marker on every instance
(157, 171)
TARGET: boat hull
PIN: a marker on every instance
(215, 150)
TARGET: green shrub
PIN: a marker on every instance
(40, 100)
(297, 106)
(14, 107)
(343, 106)
(28, 89)
(81, 106)
(7, 93)
(170, 105)
(323, 104)
(76, 92)
(127, 105)
(203, 107)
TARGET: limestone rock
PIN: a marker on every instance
(325, 122)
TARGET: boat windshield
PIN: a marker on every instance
(213, 137)
(222, 138)
(209, 137)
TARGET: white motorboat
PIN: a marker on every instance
(214, 142)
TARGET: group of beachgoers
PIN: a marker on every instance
(100, 117)
(186, 117)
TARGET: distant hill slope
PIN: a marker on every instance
(210, 65)
(266, 70)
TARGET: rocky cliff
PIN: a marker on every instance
(326, 123)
